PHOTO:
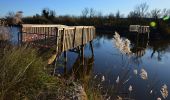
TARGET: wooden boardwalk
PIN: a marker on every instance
(64, 37)
(139, 29)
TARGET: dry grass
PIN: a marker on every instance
(21, 74)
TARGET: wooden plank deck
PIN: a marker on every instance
(65, 37)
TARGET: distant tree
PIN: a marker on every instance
(92, 12)
(118, 14)
(142, 9)
(111, 16)
(155, 13)
(52, 14)
(45, 13)
(99, 14)
(9, 17)
(18, 18)
(165, 12)
(133, 14)
(14, 18)
(85, 12)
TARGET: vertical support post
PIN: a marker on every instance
(20, 33)
(19, 38)
(44, 31)
(148, 32)
(91, 46)
(57, 37)
(82, 47)
(62, 39)
(82, 36)
(82, 54)
(74, 35)
(65, 62)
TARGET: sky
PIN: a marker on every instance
(75, 7)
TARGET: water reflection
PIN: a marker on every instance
(81, 67)
(141, 73)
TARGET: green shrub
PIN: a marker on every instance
(22, 74)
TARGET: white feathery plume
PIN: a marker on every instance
(122, 45)
(144, 74)
(130, 88)
(135, 71)
(103, 78)
(164, 91)
(117, 80)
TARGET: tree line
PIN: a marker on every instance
(89, 16)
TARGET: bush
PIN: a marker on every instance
(21, 74)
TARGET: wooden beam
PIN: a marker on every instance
(74, 37)
(82, 36)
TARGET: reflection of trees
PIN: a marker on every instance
(159, 47)
(141, 43)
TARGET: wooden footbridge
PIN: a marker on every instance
(62, 36)
(140, 29)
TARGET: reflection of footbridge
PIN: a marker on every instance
(82, 67)
(140, 45)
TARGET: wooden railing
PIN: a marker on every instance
(139, 28)
(65, 37)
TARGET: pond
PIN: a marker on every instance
(145, 71)
(143, 74)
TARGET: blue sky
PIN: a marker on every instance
(74, 7)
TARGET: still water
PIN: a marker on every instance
(151, 56)
(120, 70)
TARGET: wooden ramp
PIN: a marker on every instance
(64, 37)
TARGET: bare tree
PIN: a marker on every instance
(111, 16)
(45, 13)
(17, 19)
(156, 13)
(9, 17)
(14, 18)
(99, 14)
(133, 14)
(118, 14)
(85, 12)
(92, 12)
(142, 9)
(165, 12)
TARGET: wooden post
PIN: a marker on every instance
(57, 37)
(148, 35)
(44, 32)
(19, 38)
(74, 37)
(62, 39)
(65, 62)
(20, 35)
(91, 46)
(82, 54)
(82, 36)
